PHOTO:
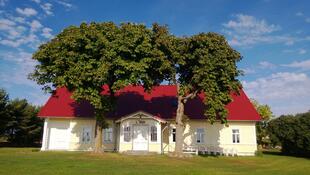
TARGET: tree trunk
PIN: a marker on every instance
(179, 127)
(98, 138)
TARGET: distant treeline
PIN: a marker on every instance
(19, 124)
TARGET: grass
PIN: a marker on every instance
(31, 161)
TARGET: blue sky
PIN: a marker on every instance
(272, 36)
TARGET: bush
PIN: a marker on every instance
(292, 133)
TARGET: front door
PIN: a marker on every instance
(140, 137)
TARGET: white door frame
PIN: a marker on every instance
(133, 130)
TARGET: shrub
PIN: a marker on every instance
(292, 133)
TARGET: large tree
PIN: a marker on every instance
(86, 57)
(204, 63)
(4, 117)
(24, 128)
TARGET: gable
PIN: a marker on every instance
(160, 102)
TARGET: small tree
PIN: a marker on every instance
(87, 57)
(261, 127)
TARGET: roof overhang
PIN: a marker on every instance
(140, 115)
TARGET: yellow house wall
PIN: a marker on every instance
(75, 133)
(217, 136)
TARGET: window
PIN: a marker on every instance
(86, 135)
(173, 134)
(127, 134)
(108, 135)
(200, 133)
(235, 136)
(153, 133)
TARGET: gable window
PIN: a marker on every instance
(86, 135)
(108, 135)
(127, 134)
(235, 136)
(153, 133)
(173, 134)
(200, 135)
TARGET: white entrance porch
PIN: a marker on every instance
(140, 131)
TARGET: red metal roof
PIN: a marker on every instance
(160, 102)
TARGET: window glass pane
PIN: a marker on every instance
(86, 135)
(108, 135)
(200, 135)
(153, 133)
(235, 136)
(127, 134)
(173, 134)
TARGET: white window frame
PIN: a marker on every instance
(235, 136)
(200, 134)
(173, 134)
(127, 133)
(154, 133)
(107, 135)
(86, 135)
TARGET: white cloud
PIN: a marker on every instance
(65, 4)
(11, 29)
(307, 20)
(286, 92)
(46, 32)
(3, 2)
(299, 14)
(246, 31)
(26, 11)
(36, 1)
(305, 65)
(248, 71)
(35, 25)
(302, 51)
(245, 24)
(47, 8)
(266, 65)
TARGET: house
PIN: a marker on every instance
(146, 122)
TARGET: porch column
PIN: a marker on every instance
(45, 135)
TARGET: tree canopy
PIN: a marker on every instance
(19, 122)
(261, 127)
(208, 64)
(291, 132)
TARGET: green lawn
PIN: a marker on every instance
(25, 161)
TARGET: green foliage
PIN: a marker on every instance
(261, 127)
(86, 57)
(24, 127)
(263, 110)
(207, 64)
(4, 117)
(292, 133)
(19, 122)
